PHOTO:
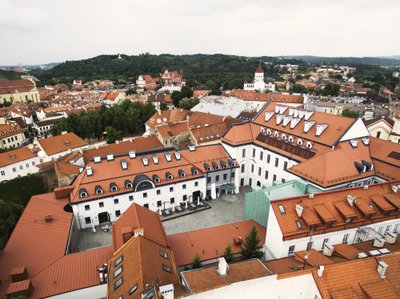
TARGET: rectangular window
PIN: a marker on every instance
(196, 184)
(3, 173)
(266, 175)
(88, 220)
(309, 245)
(276, 162)
(184, 186)
(171, 189)
(396, 228)
(21, 167)
(118, 271)
(87, 207)
(298, 224)
(388, 228)
(130, 197)
(14, 169)
(291, 250)
(184, 197)
(145, 195)
(274, 178)
(283, 180)
(268, 158)
(33, 163)
(118, 283)
(380, 230)
(259, 171)
(285, 165)
(118, 260)
(116, 200)
(242, 168)
(243, 153)
(261, 155)
(164, 254)
(217, 178)
(158, 192)
(117, 213)
(159, 203)
(166, 268)
(281, 209)
(27, 165)
(232, 174)
(252, 168)
(324, 242)
(133, 289)
(101, 204)
(345, 238)
(254, 152)
(172, 200)
(225, 176)
(146, 205)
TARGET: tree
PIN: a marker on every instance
(251, 247)
(188, 103)
(113, 135)
(349, 113)
(228, 254)
(331, 90)
(300, 88)
(196, 262)
(130, 91)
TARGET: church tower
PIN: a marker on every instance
(259, 74)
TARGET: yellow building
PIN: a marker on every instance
(18, 91)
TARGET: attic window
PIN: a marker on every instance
(283, 136)
(207, 167)
(169, 176)
(309, 145)
(133, 289)
(113, 187)
(156, 178)
(166, 268)
(223, 164)
(182, 174)
(118, 260)
(118, 271)
(299, 142)
(194, 171)
(67, 143)
(269, 132)
(215, 165)
(164, 254)
(281, 209)
(83, 193)
(291, 139)
(98, 190)
(298, 224)
(128, 184)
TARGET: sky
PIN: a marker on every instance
(43, 31)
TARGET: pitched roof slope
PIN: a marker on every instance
(139, 144)
(35, 243)
(61, 143)
(138, 217)
(210, 243)
(14, 156)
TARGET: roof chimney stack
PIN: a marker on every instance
(222, 267)
(382, 267)
(320, 270)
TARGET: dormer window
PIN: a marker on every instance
(113, 187)
(156, 178)
(128, 184)
(283, 136)
(169, 176)
(215, 165)
(181, 173)
(177, 155)
(269, 132)
(276, 134)
(299, 142)
(83, 193)
(194, 171)
(291, 139)
(223, 164)
(207, 167)
(98, 190)
(309, 145)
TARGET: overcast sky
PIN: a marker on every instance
(42, 31)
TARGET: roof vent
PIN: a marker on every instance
(365, 140)
(308, 114)
(269, 132)
(299, 142)
(362, 255)
(293, 122)
(351, 200)
(222, 267)
(291, 139)
(279, 118)
(308, 125)
(124, 164)
(299, 209)
(309, 145)
(132, 154)
(155, 159)
(110, 157)
(145, 161)
(320, 129)
(48, 218)
(353, 142)
(89, 171)
(390, 237)
(268, 115)
(177, 155)
(369, 165)
(286, 120)
(360, 167)
(97, 159)
(192, 147)
(168, 157)
(382, 267)
(320, 270)
(328, 249)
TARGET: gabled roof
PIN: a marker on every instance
(386, 119)
(210, 243)
(14, 86)
(61, 143)
(138, 217)
(14, 156)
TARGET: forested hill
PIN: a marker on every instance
(226, 70)
(383, 61)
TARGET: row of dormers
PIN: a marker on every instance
(285, 137)
(293, 119)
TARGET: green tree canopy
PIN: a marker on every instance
(349, 113)
(251, 247)
(228, 253)
(196, 262)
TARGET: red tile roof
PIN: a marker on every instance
(61, 143)
(13, 86)
(210, 243)
(14, 156)
(323, 208)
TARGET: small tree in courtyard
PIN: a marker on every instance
(196, 262)
(228, 254)
(251, 247)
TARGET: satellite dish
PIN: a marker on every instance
(41, 154)
(158, 120)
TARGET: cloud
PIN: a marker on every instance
(64, 30)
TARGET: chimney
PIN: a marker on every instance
(222, 267)
(97, 159)
(351, 200)
(320, 270)
(89, 171)
(382, 267)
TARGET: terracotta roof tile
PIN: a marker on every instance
(14, 156)
(60, 143)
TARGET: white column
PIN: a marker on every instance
(237, 180)
(213, 191)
